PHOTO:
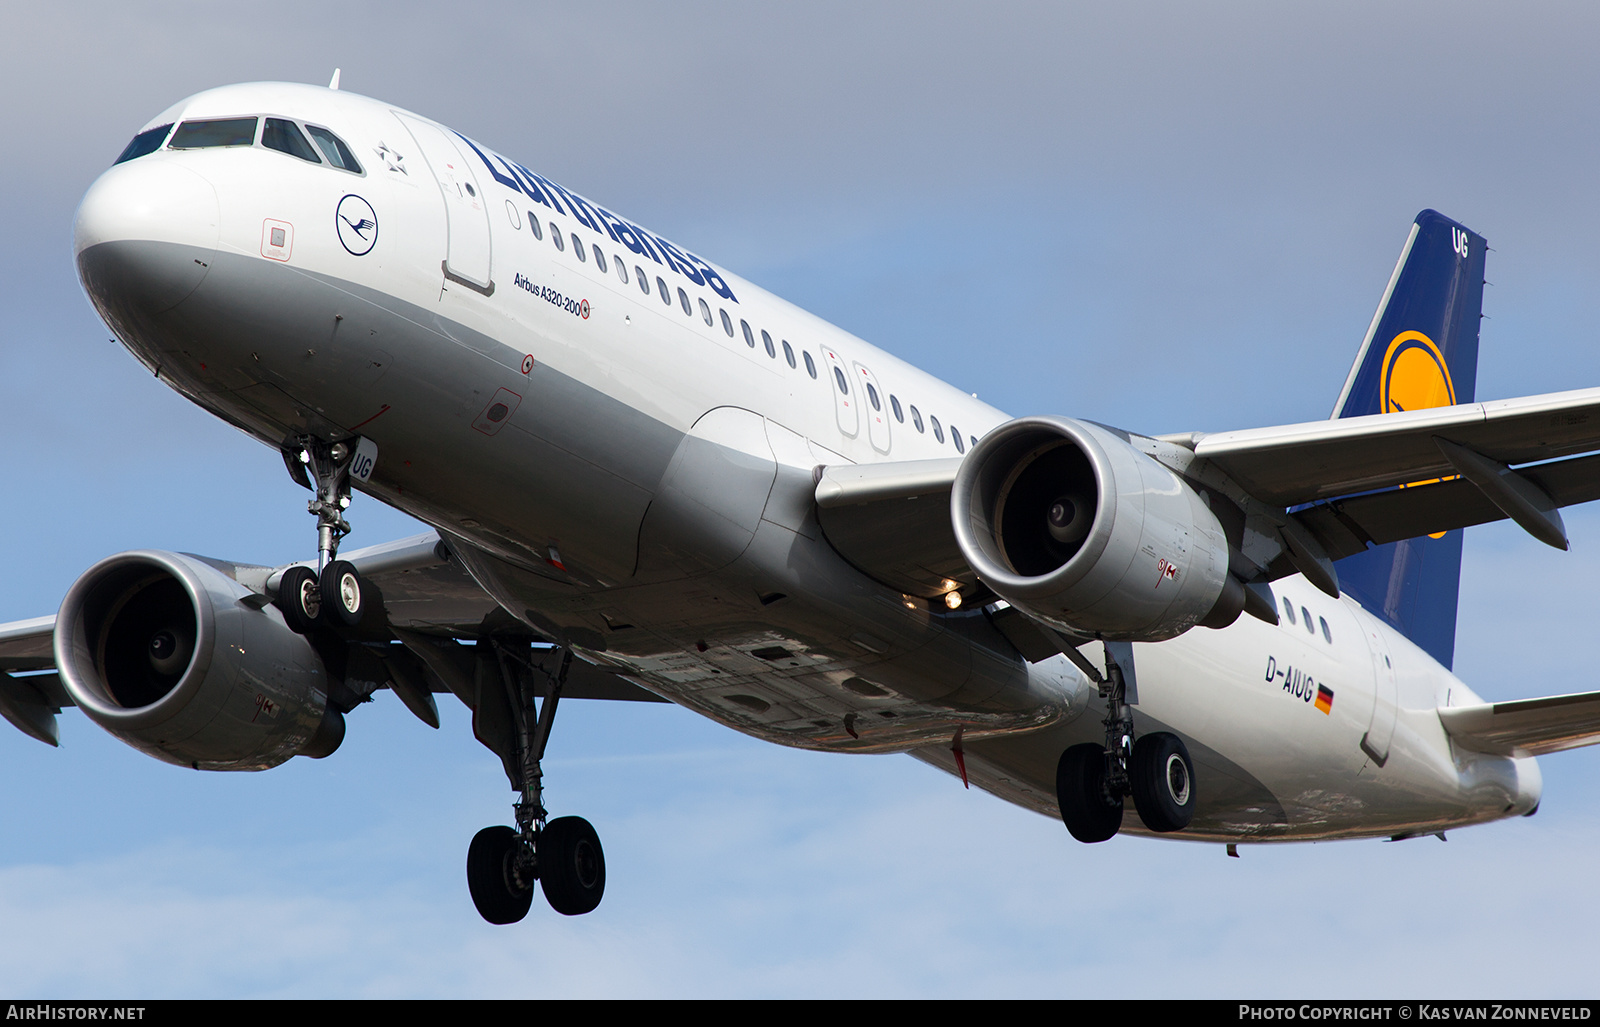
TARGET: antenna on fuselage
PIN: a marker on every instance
(333, 83)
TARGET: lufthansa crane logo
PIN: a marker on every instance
(1415, 375)
(357, 223)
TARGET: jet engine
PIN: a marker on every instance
(174, 657)
(1075, 526)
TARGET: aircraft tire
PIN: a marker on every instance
(342, 593)
(1091, 815)
(299, 599)
(490, 879)
(1162, 777)
(572, 866)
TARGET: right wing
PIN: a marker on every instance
(426, 600)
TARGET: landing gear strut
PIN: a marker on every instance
(332, 593)
(1092, 781)
(565, 854)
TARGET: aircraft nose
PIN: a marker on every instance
(145, 235)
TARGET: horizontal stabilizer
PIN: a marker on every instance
(1526, 727)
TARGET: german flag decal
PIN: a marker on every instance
(1325, 699)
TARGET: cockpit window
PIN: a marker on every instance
(286, 137)
(196, 135)
(334, 149)
(148, 141)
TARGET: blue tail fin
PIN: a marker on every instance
(1421, 351)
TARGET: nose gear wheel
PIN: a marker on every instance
(332, 594)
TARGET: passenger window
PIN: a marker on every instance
(1288, 610)
(972, 439)
(916, 419)
(533, 223)
(1325, 632)
(749, 337)
(555, 236)
(811, 365)
(664, 292)
(1306, 614)
(622, 271)
(705, 311)
(894, 404)
(727, 323)
(938, 432)
(644, 281)
(335, 150)
(286, 137)
(577, 248)
(788, 352)
(683, 301)
(955, 436)
(600, 260)
(766, 340)
(148, 141)
(844, 386)
(872, 397)
(199, 135)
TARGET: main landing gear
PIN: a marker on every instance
(332, 593)
(1092, 780)
(504, 863)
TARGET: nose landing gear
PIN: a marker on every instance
(564, 854)
(1092, 781)
(332, 593)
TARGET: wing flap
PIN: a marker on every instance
(1303, 463)
(1346, 526)
(1526, 727)
(31, 705)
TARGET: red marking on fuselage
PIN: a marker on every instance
(374, 417)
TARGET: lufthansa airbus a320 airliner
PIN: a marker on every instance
(649, 480)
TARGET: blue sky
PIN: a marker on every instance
(1159, 216)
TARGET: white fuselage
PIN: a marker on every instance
(621, 470)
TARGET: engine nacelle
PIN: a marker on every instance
(180, 661)
(1072, 524)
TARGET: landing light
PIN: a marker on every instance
(953, 600)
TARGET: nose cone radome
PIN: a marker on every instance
(144, 237)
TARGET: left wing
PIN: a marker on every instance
(1368, 481)
(892, 520)
(1303, 463)
(1442, 468)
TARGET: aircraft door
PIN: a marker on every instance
(1385, 698)
(873, 404)
(467, 215)
(845, 405)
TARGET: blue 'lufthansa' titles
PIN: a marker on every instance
(597, 219)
